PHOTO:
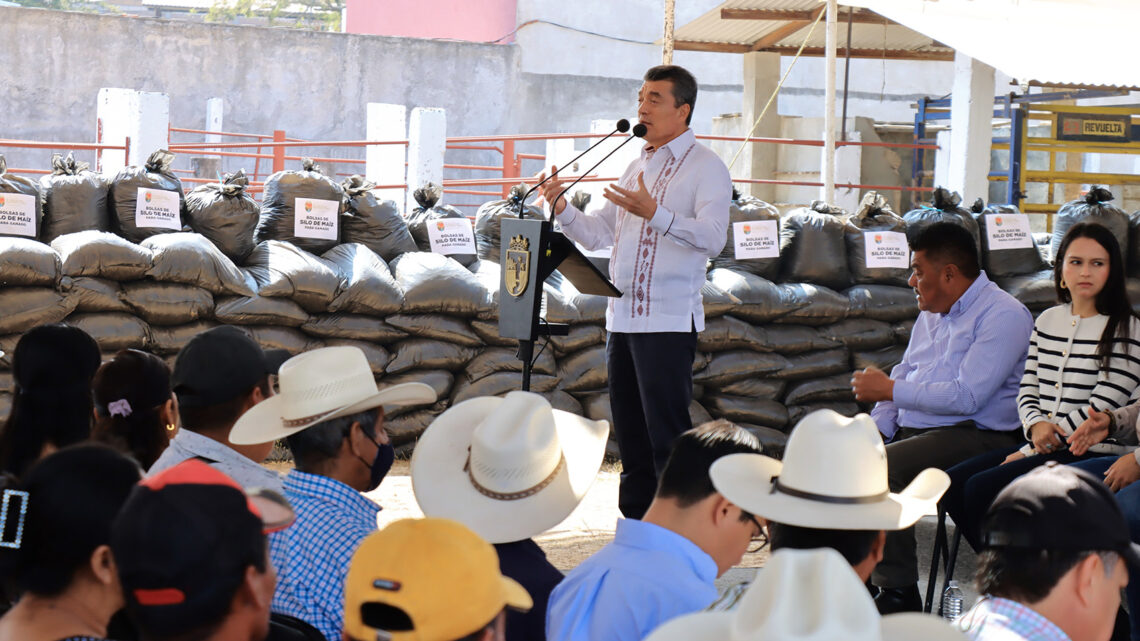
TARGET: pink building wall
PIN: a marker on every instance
(470, 20)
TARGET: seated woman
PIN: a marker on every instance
(56, 552)
(135, 409)
(52, 367)
(1084, 353)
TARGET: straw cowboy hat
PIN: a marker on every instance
(319, 385)
(508, 468)
(833, 476)
(806, 595)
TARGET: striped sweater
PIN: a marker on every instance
(1063, 375)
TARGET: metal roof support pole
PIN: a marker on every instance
(971, 128)
(667, 46)
(827, 164)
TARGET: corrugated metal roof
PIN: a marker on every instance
(1044, 42)
(871, 36)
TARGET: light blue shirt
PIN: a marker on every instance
(312, 555)
(996, 619)
(963, 365)
(645, 577)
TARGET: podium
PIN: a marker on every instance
(531, 251)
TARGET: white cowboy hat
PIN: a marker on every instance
(833, 476)
(806, 595)
(508, 468)
(319, 385)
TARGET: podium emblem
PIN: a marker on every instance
(517, 274)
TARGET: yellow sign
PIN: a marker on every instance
(517, 274)
(1102, 128)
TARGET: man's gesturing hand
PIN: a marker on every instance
(638, 202)
(872, 385)
(550, 191)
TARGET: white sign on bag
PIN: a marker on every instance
(451, 236)
(757, 239)
(18, 214)
(315, 218)
(886, 249)
(157, 208)
(1009, 231)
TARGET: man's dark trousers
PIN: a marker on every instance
(912, 451)
(651, 387)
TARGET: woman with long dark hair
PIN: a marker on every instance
(135, 409)
(52, 367)
(1084, 356)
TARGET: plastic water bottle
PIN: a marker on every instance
(952, 602)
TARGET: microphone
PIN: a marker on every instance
(638, 132)
(622, 127)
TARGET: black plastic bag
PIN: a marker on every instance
(716, 301)
(813, 248)
(1095, 207)
(488, 222)
(814, 365)
(168, 303)
(731, 366)
(15, 219)
(498, 384)
(767, 388)
(368, 284)
(436, 283)
(561, 400)
(944, 208)
(422, 353)
(314, 191)
(437, 326)
(285, 338)
(796, 413)
(103, 255)
(440, 380)
(75, 199)
(580, 337)
(1133, 256)
(352, 326)
(869, 223)
(191, 259)
(378, 357)
(22, 308)
(488, 332)
(860, 334)
(884, 359)
(829, 388)
(761, 300)
(755, 411)
(824, 306)
(94, 294)
(374, 223)
(727, 332)
(793, 339)
(25, 262)
(283, 270)
(747, 209)
(225, 215)
(882, 302)
(146, 182)
(565, 304)
(1000, 263)
(427, 213)
(259, 310)
(584, 371)
(113, 331)
(505, 359)
(170, 340)
(1036, 291)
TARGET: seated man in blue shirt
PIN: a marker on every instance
(954, 395)
(331, 415)
(664, 565)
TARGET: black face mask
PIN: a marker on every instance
(385, 456)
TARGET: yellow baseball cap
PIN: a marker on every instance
(426, 580)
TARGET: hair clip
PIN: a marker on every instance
(5, 510)
(119, 408)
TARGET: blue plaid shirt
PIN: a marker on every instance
(312, 555)
(996, 619)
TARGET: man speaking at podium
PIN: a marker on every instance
(666, 216)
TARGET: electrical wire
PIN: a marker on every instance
(568, 28)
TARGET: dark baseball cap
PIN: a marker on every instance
(183, 541)
(219, 365)
(1058, 507)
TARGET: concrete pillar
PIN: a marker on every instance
(971, 128)
(427, 142)
(384, 164)
(827, 167)
(142, 116)
(214, 109)
(761, 76)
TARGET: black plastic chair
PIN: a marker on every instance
(945, 551)
(283, 627)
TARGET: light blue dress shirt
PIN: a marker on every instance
(312, 555)
(645, 577)
(963, 365)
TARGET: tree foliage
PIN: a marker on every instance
(321, 14)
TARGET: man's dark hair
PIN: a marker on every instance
(313, 446)
(686, 476)
(1028, 576)
(221, 416)
(949, 244)
(854, 545)
(684, 85)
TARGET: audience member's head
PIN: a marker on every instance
(55, 533)
(193, 555)
(428, 580)
(508, 468)
(945, 263)
(806, 595)
(218, 375)
(135, 410)
(687, 503)
(830, 490)
(52, 367)
(331, 414)
(1056, 540)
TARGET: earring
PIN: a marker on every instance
(1063, 285)
(170, 427)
